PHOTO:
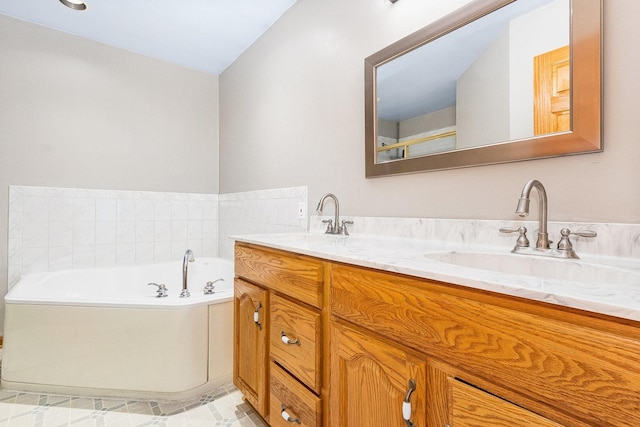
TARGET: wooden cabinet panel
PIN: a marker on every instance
(296, 276)
(251, 332)
(471, 407)
(583, 371)
(289, 395)
(369, 381)
(302, 329)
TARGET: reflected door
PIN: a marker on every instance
(552, 91)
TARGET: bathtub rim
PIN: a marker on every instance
(149, 301)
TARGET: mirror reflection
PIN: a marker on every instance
(503, 77)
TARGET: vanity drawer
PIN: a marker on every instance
(302, 328)
(473, 407)
(298, 276)
(292, 397)
(565, 358)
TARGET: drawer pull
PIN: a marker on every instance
(256, 316)
(406, 403)
(285, 339)
(287, 417)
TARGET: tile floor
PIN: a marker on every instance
(223, 407)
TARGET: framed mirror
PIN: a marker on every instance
(495, 81)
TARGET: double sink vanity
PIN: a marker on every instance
(437, 330)
(435, 322)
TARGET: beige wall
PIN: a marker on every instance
(292, 113)
(75, 113)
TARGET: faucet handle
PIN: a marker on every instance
(565, 244)
(343, 229)
(329, 223)
(161, 291)
(209, 288)
(523, 241)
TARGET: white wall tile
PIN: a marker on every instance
(194, 230)
(144, 232)
(84, 256)
(106, 210)
(144, 253)
(162, 231)
(60, 233)
(35, 260)
(35, 234)
(209, 229)
(105, 255)
(35, 209)
(145, 210)
(162, 251)
(105, 232)
(162, 210)
(15, 252)
(194, 210)
(179, 230)
(125, 232)
(179, 210)
(126, 209)
(210, 210)
(15, 225)
(84, 233)
(60, 258)
(60, 209)
(125, 253)
(84, 209)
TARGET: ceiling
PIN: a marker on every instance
(204, 35)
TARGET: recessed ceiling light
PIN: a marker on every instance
(74, 4)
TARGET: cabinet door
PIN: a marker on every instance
(370, 382)
(472, 407)
(251, 330)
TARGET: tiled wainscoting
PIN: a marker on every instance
(54, 229)
(264, 211)
(60, 228)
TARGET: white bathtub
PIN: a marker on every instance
(103, 332)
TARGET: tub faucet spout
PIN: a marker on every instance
(188, 257)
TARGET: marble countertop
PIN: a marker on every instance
(593, 292)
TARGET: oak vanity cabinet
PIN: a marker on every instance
(477, 358)
(289, 387)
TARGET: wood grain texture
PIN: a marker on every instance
(472, 407)
(369, 381)
(250, 357)
(298, 401)
(301, 324)
(297, 276)
(591, 374)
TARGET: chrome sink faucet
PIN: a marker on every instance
(188, 257)
(523, 210)
(333, 226)
(565, 247)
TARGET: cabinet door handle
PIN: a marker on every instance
(256, 316)
(285, 339)
(406, 403)
(287, 417)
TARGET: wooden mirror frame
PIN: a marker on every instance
(585, 135)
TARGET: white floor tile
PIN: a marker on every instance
(222, 407)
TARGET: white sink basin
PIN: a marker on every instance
(539, 266)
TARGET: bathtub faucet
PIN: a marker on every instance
(188, 257)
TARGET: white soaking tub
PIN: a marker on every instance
(103, 332)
